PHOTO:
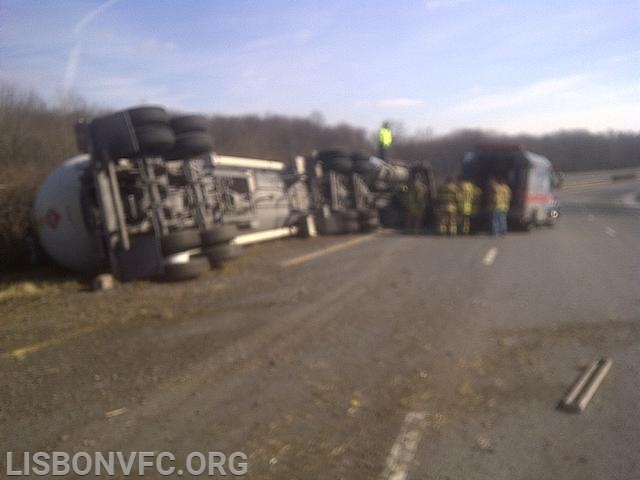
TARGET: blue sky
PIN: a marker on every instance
(512, 66)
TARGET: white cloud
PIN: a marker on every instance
(73, 61)
(577, 101)
(92, 15)
(511, 98)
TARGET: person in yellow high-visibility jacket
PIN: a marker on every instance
(447, 207)
(468, 200)
(500, 202)
(385, 139)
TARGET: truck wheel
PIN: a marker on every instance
(338, 164)
(189, 123)
(349, 215)
(221, 253)
(148, 115)
(332, 153)
(331, 225)
(532, 223)
(218, 234)
(351, 226)
(189, 145)
(154, 139)
(367, 213)
(363, 166)
(176, 272)
(180, 241)
(370, 224)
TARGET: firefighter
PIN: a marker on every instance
(447, 207)
(500, 201)
(385, 139)
(468, 203)
(415, 203)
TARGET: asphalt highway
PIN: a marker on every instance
(384, 356)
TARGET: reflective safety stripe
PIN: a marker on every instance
(447, 198)
(467, 197)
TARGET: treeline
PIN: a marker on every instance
(36, 136)
(569, 151)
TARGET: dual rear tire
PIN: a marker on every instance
(157, 134)
(216, 250)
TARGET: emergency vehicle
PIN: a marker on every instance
(530, 176)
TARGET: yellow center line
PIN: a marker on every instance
(326, 251)
(20, 353)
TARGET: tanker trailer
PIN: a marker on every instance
(149, 199)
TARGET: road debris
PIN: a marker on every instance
(484, 444)
(104, 281)
(585, 387)
(115, 413)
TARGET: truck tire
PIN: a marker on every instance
(367, 213)
(221, 253)
(189, 123)
(148, 116)
(331, 225)
(189, 145)
(363, 166)
(370, 224)
(350, 226)
(179, 241)
(218, 234)
(350, 215)
(152, 140)
(155, 139)
(331, 153)
(338, 164)
(176, 272)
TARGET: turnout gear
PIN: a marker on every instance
(500, 200)
(447, 208)
(468, 203)
(415, 203)
(501, 197)
(448, 197)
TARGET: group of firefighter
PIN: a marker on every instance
(457, 204)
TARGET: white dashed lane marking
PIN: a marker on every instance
(490, 257)
(610, 231)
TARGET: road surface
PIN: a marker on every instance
(393, 356)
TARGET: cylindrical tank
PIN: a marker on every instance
(59, 219)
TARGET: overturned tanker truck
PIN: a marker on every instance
(148, 198)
